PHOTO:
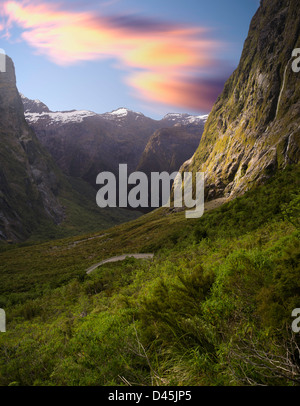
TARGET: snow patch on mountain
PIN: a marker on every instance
(186, 119)
(121, 113)
(76, 116)
(35, 110)
(196, 119)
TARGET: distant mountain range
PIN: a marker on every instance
(84, 143)
(36, 110)
(49, 158)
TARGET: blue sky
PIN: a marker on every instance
(108, 80)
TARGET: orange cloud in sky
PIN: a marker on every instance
(163, 60)
(192, 93)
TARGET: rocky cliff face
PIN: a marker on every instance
(254, 127)
(28, 179)
(168, 148)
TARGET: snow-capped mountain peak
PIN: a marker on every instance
(63, 117)
(185, 119)
(121, 113)
(36, 111)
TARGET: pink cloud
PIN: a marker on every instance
(163, 60)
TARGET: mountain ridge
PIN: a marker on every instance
(85, 143)
(38, 107)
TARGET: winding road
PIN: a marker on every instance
(208, 206)
(119, 258)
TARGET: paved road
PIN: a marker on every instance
(119, 258)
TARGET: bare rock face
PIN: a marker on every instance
(168, 148)
(28, 179)
(254, 127)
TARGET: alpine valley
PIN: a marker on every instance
(117, 298)
(84, 143)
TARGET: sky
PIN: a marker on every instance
(154, 56)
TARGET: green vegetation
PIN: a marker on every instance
(82, 215)
(212, 308)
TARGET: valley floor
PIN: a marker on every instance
(213, 307)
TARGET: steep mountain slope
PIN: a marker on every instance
(84, 143)
(28, 180)
(254, 127)
(33, 191)
(168, 148)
